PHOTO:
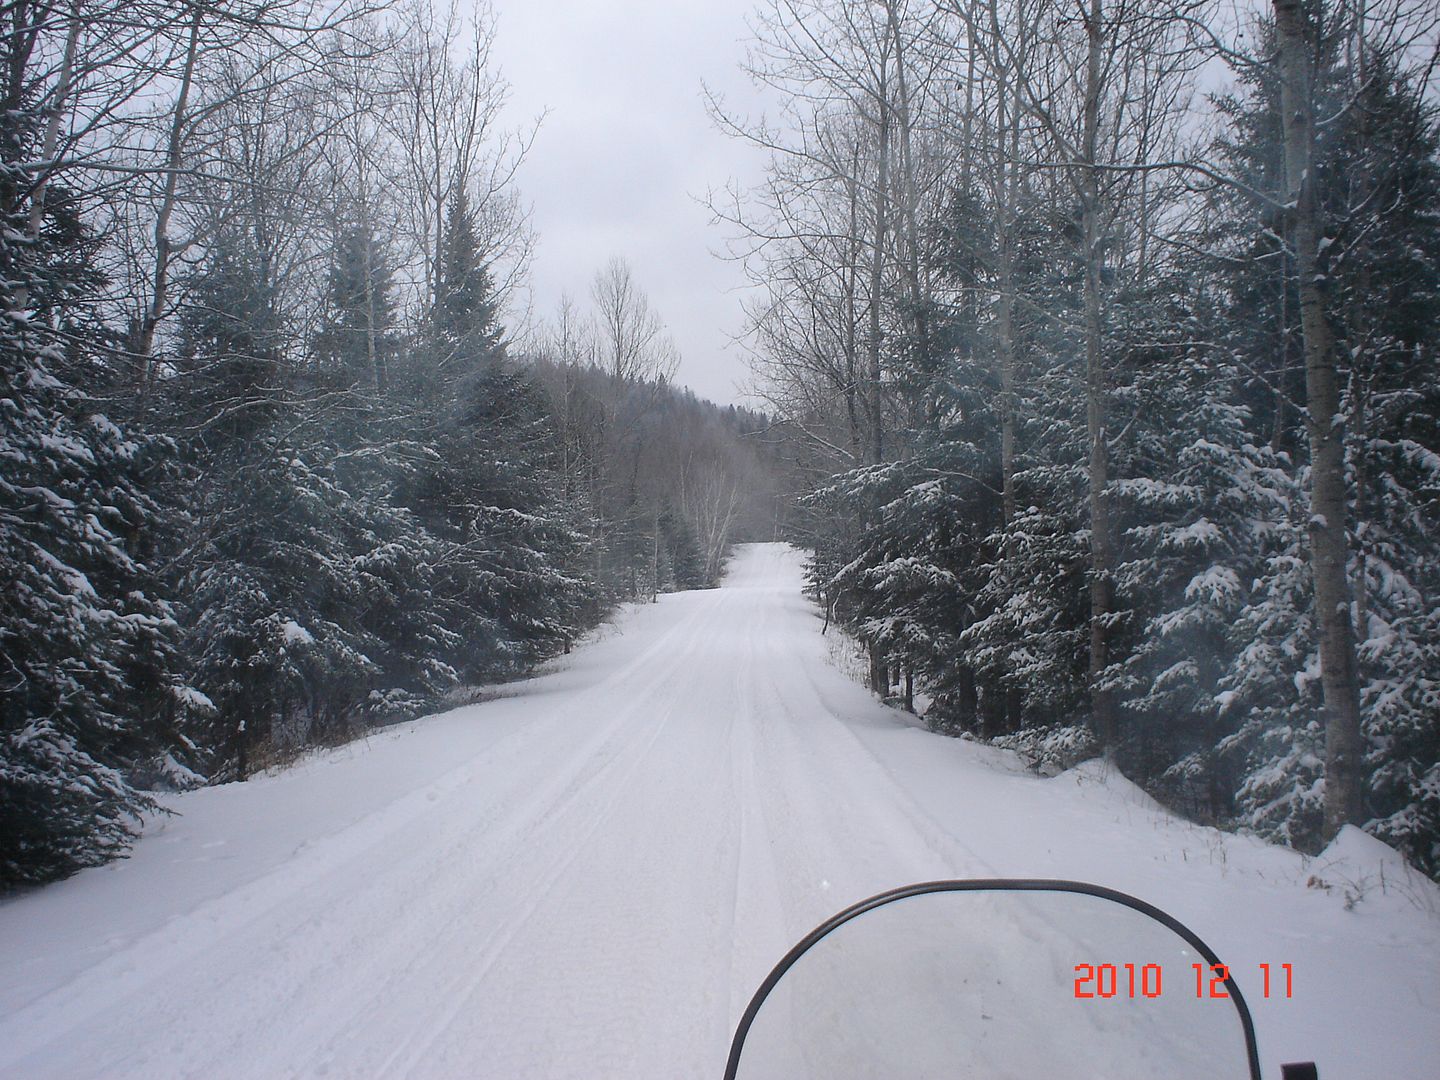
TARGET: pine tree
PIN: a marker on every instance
(1375, 190)
(1387, 287)
(512, 554)
(85, 638)
(271, 590)
(1028, 638)
(358, 338)
(230, 349)
(1202, 511)
(466, 320)
(685, 562)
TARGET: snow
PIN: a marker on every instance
(67, 447)
(590, 876)
(295, 634)
(177, 775)
(1217, 585)
(190, 698)
(1360, 864)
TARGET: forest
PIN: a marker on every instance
(1105, 333)
(1094, 346)
(275, 469)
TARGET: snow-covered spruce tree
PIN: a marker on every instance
(1387, 287)
(399, 605)
(1014, 293)
(1268, 703)
(283, 629)
(905, 587)
(899, 591)
(513, 561)
(684, 561)
(84, 636)
(466, 318)
(367, 454)
(1272, 688)
(1029, 634)
(1376, 188)
(269, 586)
(1028, 640)
(316, 602)
(1201, 510)
(524, 553)
(358, 337)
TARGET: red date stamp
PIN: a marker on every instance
(1138, 981)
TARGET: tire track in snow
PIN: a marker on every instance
(177, 949)
(406, 1059)
(595, 893)
(524, 853)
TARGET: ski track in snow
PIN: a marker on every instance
(589, 877)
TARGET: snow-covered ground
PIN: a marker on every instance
(589, 876)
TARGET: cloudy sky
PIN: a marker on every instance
(625, 154)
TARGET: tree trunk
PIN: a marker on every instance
(655, 563)
(967, 699)
(160, 284)
(877, 279)
(852, 272)
(1102, 703)
(1005, 302)
(908, 189)
(54, 116)
(992, 712)
(1329, 543)
(1014, 709)
(879, 671)
(242, 751)
(372, 352)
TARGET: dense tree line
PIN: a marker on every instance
(273, 469)
(1117, 405)
(669, 482)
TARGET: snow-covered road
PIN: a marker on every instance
(589, 876)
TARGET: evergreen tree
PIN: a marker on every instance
(229, 370)
(1376, 190)
(513, 556)
(466, 319)
(685, 562)
(85, 637)
(1202, 518)
(1387, 287)
(358, 337)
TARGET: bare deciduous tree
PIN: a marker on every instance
(632, 340)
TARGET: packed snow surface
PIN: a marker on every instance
(589, 876)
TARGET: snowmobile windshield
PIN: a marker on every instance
(998, 979)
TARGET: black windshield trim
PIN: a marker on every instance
(991, 885)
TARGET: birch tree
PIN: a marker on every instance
(632, 342)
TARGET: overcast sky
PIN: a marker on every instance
(624, 153)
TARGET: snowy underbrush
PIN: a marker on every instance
(1045, 751)
(846, 654)
(286, 749)
(1362, 869)
(1050, 751)
(1357, 866)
